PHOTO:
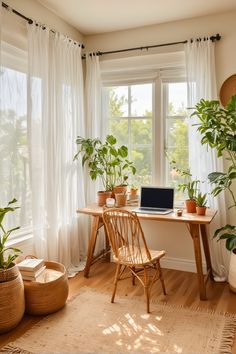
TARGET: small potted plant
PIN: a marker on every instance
(201, 200)
(105, 161)
(12, 305)
(133, 191)
(190, 186)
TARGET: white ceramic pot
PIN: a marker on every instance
(232, 271)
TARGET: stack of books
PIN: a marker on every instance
(31, 268)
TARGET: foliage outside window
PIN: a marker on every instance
(14, 170)
(130, 114)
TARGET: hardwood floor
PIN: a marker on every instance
(182, 289)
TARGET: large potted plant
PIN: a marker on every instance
(105, 161)
(217, 126)
(12, 304)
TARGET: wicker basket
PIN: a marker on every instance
(48, 296)
(12, 301)
(9, 274)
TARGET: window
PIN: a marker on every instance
(151, 119)
(130, 118)
(176, 132)
(14, 171)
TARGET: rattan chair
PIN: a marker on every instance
(130, 250)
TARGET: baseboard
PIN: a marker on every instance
(185, 265)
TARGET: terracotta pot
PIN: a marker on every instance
(121, 199)
(133, 192)
(190, 206)
(102, 197)
(119, 189)
(232, 271)
(201, 210)
(12, 304)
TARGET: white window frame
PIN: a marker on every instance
(159, 69)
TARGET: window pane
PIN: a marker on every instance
(176, 135)
(177, 102)
(118, 101)
(119, 128)
(141, 131)
(14, 171)
(143, 162)
(141, 100)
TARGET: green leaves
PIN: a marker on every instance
(12, 252)
(105, 160)
(217, 126)
(227, 233)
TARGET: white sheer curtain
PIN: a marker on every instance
(55, 118)
(95, 125)
(201, 80)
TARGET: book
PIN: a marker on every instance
(33, 276)
(30, 264)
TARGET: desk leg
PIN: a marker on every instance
(194, 230)
(206, 249)
(92, 243)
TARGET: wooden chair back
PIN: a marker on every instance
(126, 236)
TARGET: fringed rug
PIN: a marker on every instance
(91, 324)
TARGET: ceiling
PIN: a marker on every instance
(99, 16)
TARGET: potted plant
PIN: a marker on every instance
(201, 200)
(133, 191)
(105, 161)
(12, 305)
(217, 126)
(188, 186)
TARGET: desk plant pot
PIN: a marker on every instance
(102, 197)
(201, 200)
(12, 301)
(190, 205)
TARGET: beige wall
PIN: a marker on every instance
(225, 24)
(34, 10)
(175, 239)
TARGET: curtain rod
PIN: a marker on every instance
(29, 20)
(214, 38)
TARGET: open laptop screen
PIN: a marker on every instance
(157, 197)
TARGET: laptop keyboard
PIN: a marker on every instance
(152, 211)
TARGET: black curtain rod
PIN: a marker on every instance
(214, 38)
(29, 20)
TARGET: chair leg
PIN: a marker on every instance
(133, 276)
(146, 289)
(161, 277)
(116, 281)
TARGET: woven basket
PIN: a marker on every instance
(48, 297)
(8, 274)
(12, 301)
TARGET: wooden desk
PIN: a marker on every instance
(196, 226)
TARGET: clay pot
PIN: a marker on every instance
(201, 210)
(102, 197)
(133, 192)
(121, 199)
(190, 206)
(119, 189)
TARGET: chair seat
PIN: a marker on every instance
(136, 258)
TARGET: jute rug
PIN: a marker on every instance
(90, 323)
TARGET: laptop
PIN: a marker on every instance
(156, 200)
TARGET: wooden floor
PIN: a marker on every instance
(182, 289)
